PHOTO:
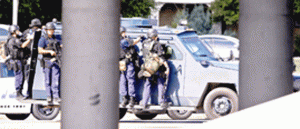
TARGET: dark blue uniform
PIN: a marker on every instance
(17, 62)
(127, 78)
(156, 78)
(51, 69)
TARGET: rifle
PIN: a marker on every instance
(165, 85)
(57, 49)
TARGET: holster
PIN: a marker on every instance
(42, 62)
(15, 65)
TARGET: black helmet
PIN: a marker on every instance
(13, 28)
(152, 33)
(35, 22)
(50, 25)
(122, 29)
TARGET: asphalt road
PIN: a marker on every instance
(130, 121)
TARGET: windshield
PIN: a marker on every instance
(197, 48)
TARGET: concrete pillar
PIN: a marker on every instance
(265, 33)
(89, 86)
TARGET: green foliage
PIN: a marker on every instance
(136, 8)
(181, 14)
(297, 43)
(199, 20)
(296, 8)
(45, 10)
(231, 33)
(225, 10)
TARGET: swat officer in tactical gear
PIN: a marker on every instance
(33, 26)
(18, 56)
(49, 47)
(128, 64)
(155, 68)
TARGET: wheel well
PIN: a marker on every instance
(211, 86)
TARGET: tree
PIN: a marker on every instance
(226, 11)
(198, 19)
(45, 10)
(136, 8)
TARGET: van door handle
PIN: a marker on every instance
(179, 69)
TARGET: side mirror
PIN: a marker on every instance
(204, 63)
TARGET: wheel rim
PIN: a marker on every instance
(222, 105)
(181, 112)
(45, 111)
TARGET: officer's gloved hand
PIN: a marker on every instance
(30, 36)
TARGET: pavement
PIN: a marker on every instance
(130, 121)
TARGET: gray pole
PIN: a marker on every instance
(15, 12)
(89, 87)
(265, 33)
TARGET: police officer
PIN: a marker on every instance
(153, 51)
(18, 56)
(47, 47)
(33, 26)
(128, 64)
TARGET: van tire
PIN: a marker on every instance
(17, 116)
(122, 112)
(41, 113)
(178, 115)
(146, 116)
(225, 94)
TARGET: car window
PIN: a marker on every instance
(3, 32)
(219, 43)
(4, 72)
(176, 55)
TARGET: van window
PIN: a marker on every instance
(4, 72)
(3, 32)
(176, 55)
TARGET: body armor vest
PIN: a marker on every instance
(147, 47)
(52, 45)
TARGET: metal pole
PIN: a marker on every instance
(265, 33)
(15, 12)
(90, 96)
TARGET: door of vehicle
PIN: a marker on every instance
(176, 79)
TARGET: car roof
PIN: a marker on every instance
(235, 40)
(4, 26)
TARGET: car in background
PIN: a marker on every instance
(226, 47)
(3, 32)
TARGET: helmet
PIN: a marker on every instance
(50, 25)
(152, 33)
(13, 28)
(54, 20)
(35, 22)
(122, 29)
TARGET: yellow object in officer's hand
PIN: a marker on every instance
(122, 65)
(53, 59)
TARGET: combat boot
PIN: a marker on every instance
(49, 99)
(131, 102)
(164, 105)
(57, 100)
(124, 101)
(20, 96)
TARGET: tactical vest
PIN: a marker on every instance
(147, 47)
(52, 45)
(129, 52)
(15, 51)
